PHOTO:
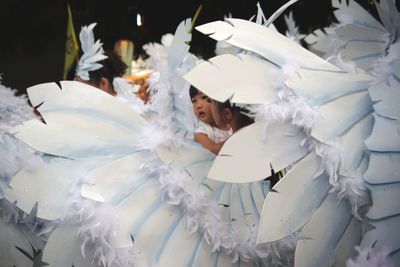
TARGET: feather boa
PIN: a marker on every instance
(370, 257)
(98, 224)
(203, 214)
(13, 109)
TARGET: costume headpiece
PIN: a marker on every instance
(92, 53)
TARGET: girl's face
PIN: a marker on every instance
(202, 108)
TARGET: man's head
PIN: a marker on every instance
(103, 77)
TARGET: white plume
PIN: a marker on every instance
(292, 31)
(354, 190)
(14, 109)
(97, 230)
(92, 53)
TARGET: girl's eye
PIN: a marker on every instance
(204, 97)
(193, 100)
(209, 100)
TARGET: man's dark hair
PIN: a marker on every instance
(113, 67)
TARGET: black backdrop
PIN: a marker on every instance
(32, 42)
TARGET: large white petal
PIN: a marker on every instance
(322, 234)
(246, 155)
(242, 79)
(270, 44)
(298, 195)
(340, 115)
(49, 185)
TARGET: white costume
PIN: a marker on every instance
(117, 190)
(215, 134)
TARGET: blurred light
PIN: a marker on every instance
(138, 20)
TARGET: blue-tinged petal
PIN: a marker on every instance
(350, 239)
(390, 17)
(340, 115)
(396, 68)
(385, 136)
(202, 256)
(353, 145)
(261, 40)
(389, 105)
(40, 92)
(323, 232)
(385, 199)
(12, 238)
(319, 87)
(179, 47)
(383, 168)
(282, 213)
(115, 181)
(242, 79)
(356, 32)
(383, 234)
(363, 53)
(319, 41)
(135, 211)
(246, 156)
(49, 185)
(63, 249)
(82, 121)
(378, 90)
(358, 15)
(157, 231)
(185, 156)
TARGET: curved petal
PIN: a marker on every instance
(242, 79)
(270, 44)
(281, 215)
(322, 234)
(243, 157)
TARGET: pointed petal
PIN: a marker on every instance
(244, 79)
(261, 40)
(322, 234)
(281, 215)
(246, 161)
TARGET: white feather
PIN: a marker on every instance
(92, 53)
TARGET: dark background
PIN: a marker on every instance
(33, 32)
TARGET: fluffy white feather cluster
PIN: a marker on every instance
(370, 257)
(205, 215)
(98, 224)
(13, 109)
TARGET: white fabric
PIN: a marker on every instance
(215, 134)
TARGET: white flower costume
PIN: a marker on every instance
(116, 189)
(323, 123)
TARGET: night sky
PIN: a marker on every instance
(33, 31)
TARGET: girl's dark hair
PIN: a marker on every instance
(193, 91)
(113, 67)
(243, 120)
